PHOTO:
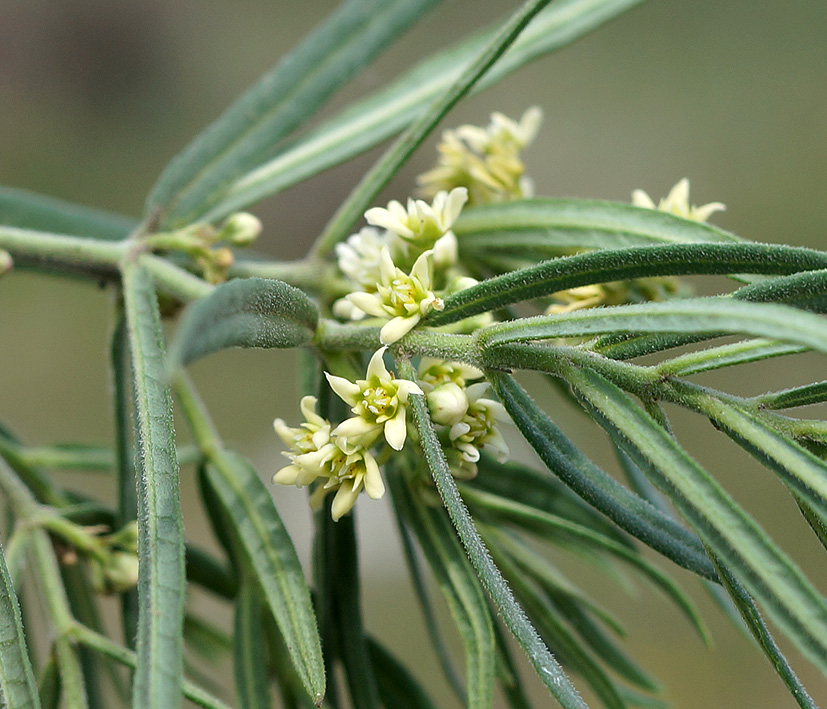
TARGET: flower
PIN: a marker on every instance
(478, 427)
(348, 474)
(240, 229)
(359, 256)
(433, 372)
(421, 223)
(379, 402)
(309, 446)
(677, 203)
(485, 160)
(403, 298)
(447, 403)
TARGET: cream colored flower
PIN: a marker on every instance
(359, 256)
(421, 223)
(379, 402)
(677, 203)
(349, 474)
(404, 299)
(478, 427)
(433, 372)
(485, 160)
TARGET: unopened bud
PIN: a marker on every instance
(241, 229)
(447, 404)
(222, 258)
(6, 263)
(121, 573)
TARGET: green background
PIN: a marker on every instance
(95, 97)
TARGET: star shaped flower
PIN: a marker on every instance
(677, 203)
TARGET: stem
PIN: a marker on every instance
(201, 425)
(173, 280)
(307, 274)
(62, 252)
(89, 638)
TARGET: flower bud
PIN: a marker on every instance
(447, 403)
(121, 573)
(6, 264)
(241, 229)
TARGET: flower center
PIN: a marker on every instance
(376, 400)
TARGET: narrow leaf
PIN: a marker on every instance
(798, 396)
(250, 312)
(379, 116)
(768, 575)
(711, 358)
(17, 685)
(252, 684)
(248, 504)
(279, 103)
(28, 210)
(624, 264)
(161, 583)
(632, 513)
(397, 687)
(547, 668)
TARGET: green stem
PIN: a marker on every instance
(379, 175)
(89, 638)
(173, 280)
(62, 251)
(307, 274)
(70, 532)
(201, 425)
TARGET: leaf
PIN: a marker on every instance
(379, 116)
(730, 355)
(397, 687)
(17, 685)
(250, 312)
(459, 586)
(768, 575)
(270, 552)
(28, 210)
(543, 662)
(797, 396)
(711, 316)
(752, 617)
(608, 265)
(252, 683)
(630, 512)
(281, 101)
(161, 582)
(210, 573)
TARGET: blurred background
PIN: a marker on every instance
(97, 96)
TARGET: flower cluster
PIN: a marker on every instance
(677, 203)
(485, 160)
(342, 459)
(391, 263)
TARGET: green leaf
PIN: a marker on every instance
(554, 528)
(711, 316)
(252, 684)
(270, 552)
(161, 582)
(17, 685)
(397, 687)
(752, 617)
(767, 574)
(730, 355)
(630, 512)
(608, 265)
(383, 114)
(459, 586)
(210, 573)
(28, 210)
(543, 662)
(251, 312)
(805, 395)
(281, 101)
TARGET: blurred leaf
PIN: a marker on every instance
(17, 685)
(718, 315)
(250, 312)
(270, 552)
(371, 120)
(543, 662)
(28, 210)
(397, 687)
(632, 513)
(252, 683)
(281, 101)
(161, 581)
(767, 573)
(554, 528)
(609, 265)
(210, 573)
(459, 586)
(48, 685)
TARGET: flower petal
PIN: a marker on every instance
(396, 429)
(374, 485)
(366, 302)
(347, 391)
(397, 328)
(345, 499)
(376, 366)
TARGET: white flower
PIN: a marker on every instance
(447, 404)
(485, 160)
(478, 427)
(379, 402)
(359, 256)
(677, 203)
(433, 372)
(348, 474)
(421, 222)
(309, 446)
(404, 299)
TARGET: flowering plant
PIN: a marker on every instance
(416, 322)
